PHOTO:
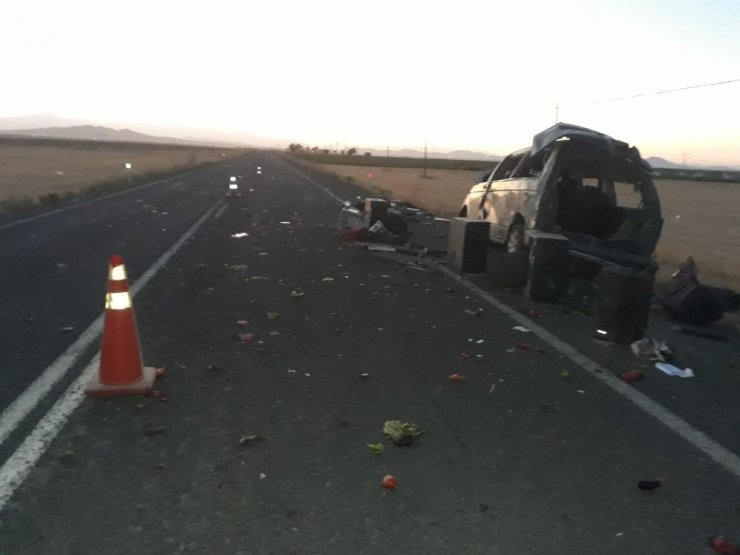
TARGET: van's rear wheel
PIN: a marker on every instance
(515, 239)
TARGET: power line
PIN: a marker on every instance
(656, 93)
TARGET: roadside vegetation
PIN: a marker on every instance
(39, 173)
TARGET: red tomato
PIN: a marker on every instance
(457, 378)
(389, 482)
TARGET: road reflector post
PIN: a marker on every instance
(121, 369)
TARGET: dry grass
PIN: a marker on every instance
(37, 169)
(701, 218)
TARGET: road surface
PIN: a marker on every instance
(515, 459)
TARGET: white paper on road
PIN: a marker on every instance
(674, 371)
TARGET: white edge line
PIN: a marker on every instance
(697, 438)
(20, 463)
(22, 405)
(319, 185)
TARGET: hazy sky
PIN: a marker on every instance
(477, 75)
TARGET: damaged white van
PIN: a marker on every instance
(587, 186)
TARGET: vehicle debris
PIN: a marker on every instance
(402, 434)
(247, 440)
(240, 235)
(652, 349)
(674, 371)
(687, 300)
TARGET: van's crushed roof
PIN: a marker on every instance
(545, 138)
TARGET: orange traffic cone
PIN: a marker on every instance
(121, 370)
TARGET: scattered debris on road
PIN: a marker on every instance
(364, 376)
(402, 434)
(721, 545)
(456, 378)
(521, 329)
(376, 448)
(564, 374)
(631, 376)
(248, 440)
(66, 329)
(652, 349)
(671, 370)
(240, 235)
(389, 482)
(153, 430)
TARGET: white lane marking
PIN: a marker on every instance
(319, 185)
(14, 414)
(220, 212)
(20, 463)
(697, 438)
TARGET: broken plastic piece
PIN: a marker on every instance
(652, 349)
(674, 371)
(254, 438)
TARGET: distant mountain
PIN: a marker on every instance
(658, 162)
(99, 133)
(202, 134)
(453, 155)
(36, 121)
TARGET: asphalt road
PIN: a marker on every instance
(515, 459)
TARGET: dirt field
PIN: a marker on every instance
(37, 168)
(701, 218)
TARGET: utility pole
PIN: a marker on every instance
(685, 158)
(425, 159)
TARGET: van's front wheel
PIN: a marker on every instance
(515, 238)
